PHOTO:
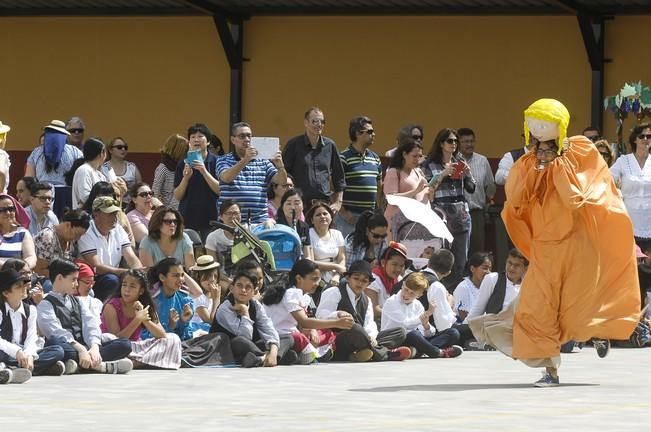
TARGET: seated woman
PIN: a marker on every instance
(166, 239)
(220, 241)
(127, 171)
(60, 240)
(103, 188)
(89, 173)
(54, 157)
(327, 244)
(465, 294)
(275, 193)
(389, 271)
(15, 239)
(132, 314)
(369, 238)
(291, 209)
(139, 210)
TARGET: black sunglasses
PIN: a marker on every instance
(644, 136)
(417, 137)
(144, 194)
(379, 236)
(76, 130)
(10, 209)
(368, 131)
(121, 147)
(451, 140)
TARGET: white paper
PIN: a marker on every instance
(423, 214)
(267, 147)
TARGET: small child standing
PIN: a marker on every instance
(68, 323)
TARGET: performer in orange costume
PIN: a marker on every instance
(565, 214)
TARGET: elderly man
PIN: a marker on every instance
(313, 162)
(76, 127)
(40, 210)
(105, 245)
(244, 178)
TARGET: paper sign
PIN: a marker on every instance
(267, 147)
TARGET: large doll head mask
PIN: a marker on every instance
(546, 120)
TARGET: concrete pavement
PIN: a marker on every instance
(479, 391)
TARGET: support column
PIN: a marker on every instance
(593, 33)
(232, 38)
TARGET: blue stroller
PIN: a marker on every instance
(285, 244)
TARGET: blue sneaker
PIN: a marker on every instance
(547, 381)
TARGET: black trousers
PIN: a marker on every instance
(356, 339)
(241, 346)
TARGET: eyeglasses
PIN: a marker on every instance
(45, 198)
(76, 130)
(644, 136)
(546, 153)
(417, 137)
(232, 213)
(605, 154)
(170, 221)
(378, 236)
(145, 194)
(451, 141)
(368, 131)
(317, 122)
(121, 147)
(593, 138)
(10, 209)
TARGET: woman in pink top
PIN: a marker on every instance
(140, 210)
(405, 178)
(132, 314)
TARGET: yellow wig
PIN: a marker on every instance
(549, 110)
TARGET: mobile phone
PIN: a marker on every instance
(193, 155)
(458, 170)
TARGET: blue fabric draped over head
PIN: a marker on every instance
(53, 146)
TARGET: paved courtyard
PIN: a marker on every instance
(479, 391)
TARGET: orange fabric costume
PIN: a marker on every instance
(570, 222)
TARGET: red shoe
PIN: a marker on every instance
(451, 352)
(399, 354)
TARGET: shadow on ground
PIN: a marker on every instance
(456, 387)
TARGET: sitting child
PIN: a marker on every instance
(68, 323)
(392, 265)
(287, 306)
(403, 310)
(206, 273)
(361, 342)
(245, 321)
(18, 338)
(132, 314)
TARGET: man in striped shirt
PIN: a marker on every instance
(362, 172)
(480, 199)
(244, 178)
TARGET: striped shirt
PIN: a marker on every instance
(363, 174)
(483, 175)
(249, 188)
(11, 245)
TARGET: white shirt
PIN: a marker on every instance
(218, 242)
(444, 317)
(202, 301)
(12, 347)
(465, 295)
(398, 314)
(108, 250)
(85, 177)
(505, 165)
(5, 163)
(483, 175)
(635, 184)
(326, 249)
(486, 290)
(281, 312)
(50, 326)
(330, 299)
(380, 289)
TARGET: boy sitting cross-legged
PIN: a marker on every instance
(67, 323)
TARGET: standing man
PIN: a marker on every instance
(363, 174)
(313, 161)
(479, 200)
(76, 127)
(195, 188)
(244, 178)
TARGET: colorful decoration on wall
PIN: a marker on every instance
(633, 98)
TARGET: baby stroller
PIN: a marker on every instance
(285, 243)
(420, 243)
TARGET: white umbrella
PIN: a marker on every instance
(423, 214)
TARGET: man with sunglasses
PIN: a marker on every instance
(40, 210)
(313, 162)
(76, 127)
(362, 172)
(105, 245)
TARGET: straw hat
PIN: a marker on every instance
(57, 125)
(205, 262)
(4, 128)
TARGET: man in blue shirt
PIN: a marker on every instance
(244, 178)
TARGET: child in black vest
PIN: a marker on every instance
(69, 324)
(362, 342)
(245, 321)
(18, 348)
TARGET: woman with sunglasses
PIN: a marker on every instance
(15, 239)
(275, 194)
(127, 171)
(369, 238)
(166, 239)
(449, 176)
(632, 174)
(139, 210)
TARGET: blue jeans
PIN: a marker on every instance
(106, 285)
(431, 346)
(110, 351)
(46, 358)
